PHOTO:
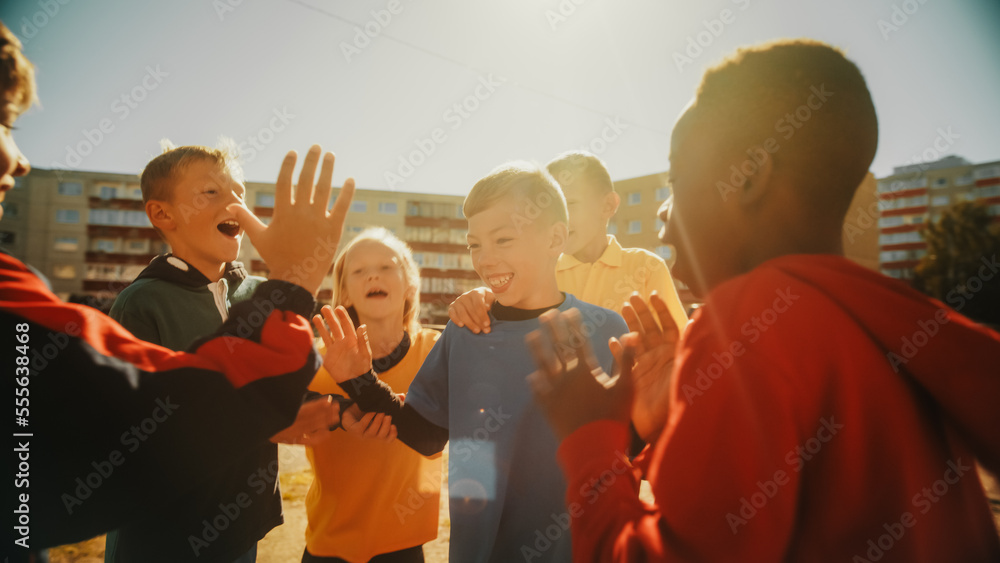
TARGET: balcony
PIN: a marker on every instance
(96, 257)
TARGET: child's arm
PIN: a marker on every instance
(472, 309)
(348, 355)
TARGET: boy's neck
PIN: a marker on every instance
(211, 270)
(592, 250)
(384, 335)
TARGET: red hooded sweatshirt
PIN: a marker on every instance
(819, 412)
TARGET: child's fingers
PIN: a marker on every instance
(323, 188)
(336, 332)
(364, 346)
(651, 331)
(346, 324)
(304, 188)
(543, 380)
(283, 187)
(578, 341)
(670, 329)
(340, 206)
(323, 331)
(554, 325)
(251, 224)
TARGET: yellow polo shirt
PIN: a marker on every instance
(609, 281)
(369, 497)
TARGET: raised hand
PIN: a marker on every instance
(348, 353)
(653, 342)
(312, 423)
(472, 309)
(570, 387)
(301, 242)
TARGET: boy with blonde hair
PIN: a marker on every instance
(179, 298)
(506, 491)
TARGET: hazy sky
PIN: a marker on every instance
(433, 96)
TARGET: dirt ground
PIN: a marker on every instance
(285, 543)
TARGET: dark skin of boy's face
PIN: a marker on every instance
(703, 226)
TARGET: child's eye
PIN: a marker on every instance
(472, 246)
(504, 240)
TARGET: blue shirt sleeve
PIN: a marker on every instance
(428, 393)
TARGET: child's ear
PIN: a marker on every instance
(610, 204)
(161, 215)
(758, 182)
(559, 236)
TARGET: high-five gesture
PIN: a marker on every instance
(348, 353)
(653, 342)
(569, 384)
(300, 243)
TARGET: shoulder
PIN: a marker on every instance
(642, 258)
(425, 338)
(604, 320)
(134, 294)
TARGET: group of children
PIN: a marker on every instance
(792, 441)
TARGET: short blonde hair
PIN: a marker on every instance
(159, 177)
(573, 166)
(524, 181)
(17, 74)
(411, 308)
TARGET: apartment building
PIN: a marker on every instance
(917, 193)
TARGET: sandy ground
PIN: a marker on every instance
(285, 543)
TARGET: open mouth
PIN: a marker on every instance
(230, 228)
(500, 283)
(376, 293)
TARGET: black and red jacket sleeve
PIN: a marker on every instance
(111, 426)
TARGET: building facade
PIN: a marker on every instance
(88, 233)
(917, 193)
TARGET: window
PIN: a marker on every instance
(105, 245)
(64, 271)
(634, 227)
(105, 217)
(940, 182)
(418, 259)
(612, 228)
(108, 192)
(103, 272)
(990, 191)
(137, 246)
(359, 207)
(940, 201)
(894, 221)
(69, 216)
(659, 224)
(265, 200)
(70, 188)
(458, 212)
(354, 229)
(388, 208)
(10, 210)
(963, 180)
(7, 237)
(634, 198)
(67, 244)
(662, 193)
(665, 252)
(412, 209)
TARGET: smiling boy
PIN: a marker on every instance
(504, 484)
(181, 297)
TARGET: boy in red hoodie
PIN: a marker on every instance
(816, 410)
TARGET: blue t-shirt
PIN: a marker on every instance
(506, 489)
